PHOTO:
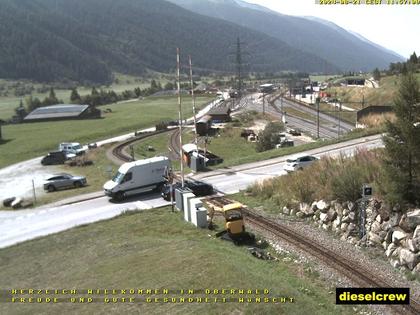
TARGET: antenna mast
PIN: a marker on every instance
(180, 118)
(193, 104)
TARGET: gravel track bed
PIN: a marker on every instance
(369, 258)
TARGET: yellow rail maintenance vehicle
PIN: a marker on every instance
(234, 220)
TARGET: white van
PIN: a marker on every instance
(71, 148)
(137, 177)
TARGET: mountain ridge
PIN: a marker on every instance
(331, 42)
(88, 40)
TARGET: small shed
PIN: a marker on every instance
(220, 114)
(62, 112)
(203, 125)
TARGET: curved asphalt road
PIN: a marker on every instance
(19, 226)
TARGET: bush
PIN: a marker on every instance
(162, 126)
(269, 137)
(340, 178)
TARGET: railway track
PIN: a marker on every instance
(118, 151)
(174, 144)
(356, 273)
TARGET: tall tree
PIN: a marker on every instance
(413, 58)
(376, 74)
(402, 145)
(75, 97)
(51, 99)
(20, 111)
(32, 103)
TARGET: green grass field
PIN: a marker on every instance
(25, 141)
(122, 82)
(157, 250)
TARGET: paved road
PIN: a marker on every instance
(18, 226)
(234, 179)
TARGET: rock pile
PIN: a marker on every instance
(397, 234)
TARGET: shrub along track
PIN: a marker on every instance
(356, 273)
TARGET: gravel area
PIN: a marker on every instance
(16, 179)
(369, 258)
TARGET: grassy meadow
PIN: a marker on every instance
(25, 141)
(157, 250)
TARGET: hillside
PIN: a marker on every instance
(87, 40)
(324, 39)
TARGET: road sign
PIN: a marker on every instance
(367, 191)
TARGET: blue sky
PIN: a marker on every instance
(396, 27)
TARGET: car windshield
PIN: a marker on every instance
(118, 177)
(291, 160)
(77, 147)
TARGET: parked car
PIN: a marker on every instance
(285, 143)
(198, 188)
(72, 148)
(299, 162)
(295, 132)
(63, 181)
(53, 158)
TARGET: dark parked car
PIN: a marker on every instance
(52, 158)
(198, 188)
(295, 132)
(63, 181)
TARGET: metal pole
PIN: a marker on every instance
(171, 187)
(193, 103)
(281, 104)
(339, 118)
(33, 191)
(181, 153)
(205, 149)
(263, 104)
(317, 117)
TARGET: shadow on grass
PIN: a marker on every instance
(3, 141)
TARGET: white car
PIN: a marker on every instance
(71, 149)
(299, 162)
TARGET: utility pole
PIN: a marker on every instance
(317, 117)
(263, 104)
(193, 104)
(180, 117)
(339, 118)
(33, 192)
(239, 67)
(206, 141)
(281, 104)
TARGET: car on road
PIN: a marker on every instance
(299, 162)
(64, 181)
(198, 188)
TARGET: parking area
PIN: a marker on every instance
(16, 180)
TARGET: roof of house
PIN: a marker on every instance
(189, 147)
(57, 111)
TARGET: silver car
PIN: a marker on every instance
(63, 181)
(299, 162)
